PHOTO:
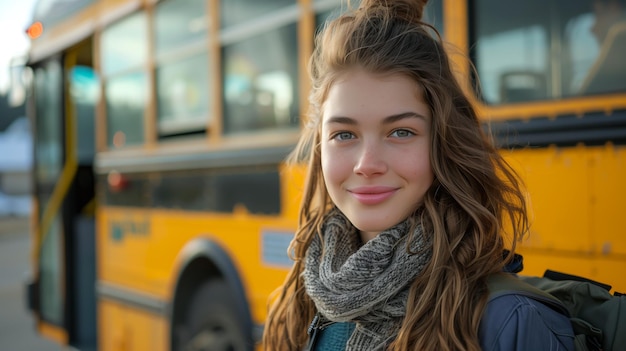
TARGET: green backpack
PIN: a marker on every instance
(598, 318)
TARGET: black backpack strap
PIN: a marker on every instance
(559, 276)
(501, 284)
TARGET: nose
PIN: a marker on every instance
(370, 161)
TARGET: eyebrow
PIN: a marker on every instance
(387, 120)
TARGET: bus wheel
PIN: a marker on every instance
(211, 323)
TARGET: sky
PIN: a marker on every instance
(15, 16)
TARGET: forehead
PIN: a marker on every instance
(358, 92)
(359, 75)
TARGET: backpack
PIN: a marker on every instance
(598, 318)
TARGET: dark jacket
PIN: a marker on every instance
(515, 322)
(510, 323)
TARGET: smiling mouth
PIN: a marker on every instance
(372, 196)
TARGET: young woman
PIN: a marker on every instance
(405, 206)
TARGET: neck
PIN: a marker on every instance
(367, 236)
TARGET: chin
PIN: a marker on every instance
(371, 225)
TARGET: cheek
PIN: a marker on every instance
(334, 166)
(420, 171)
(327, 161)
(419, 174)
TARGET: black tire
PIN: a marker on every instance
(211, 322)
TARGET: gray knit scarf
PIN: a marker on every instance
(367, 285)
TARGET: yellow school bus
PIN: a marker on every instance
(163, 206)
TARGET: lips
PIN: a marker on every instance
(372, 195)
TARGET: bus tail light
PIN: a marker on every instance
(117, 181)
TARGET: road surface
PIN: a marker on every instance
(17, 329)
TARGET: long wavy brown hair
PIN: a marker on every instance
(474, 209)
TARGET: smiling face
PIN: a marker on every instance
(375, 149)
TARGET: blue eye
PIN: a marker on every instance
(343, 136)
(401, 133)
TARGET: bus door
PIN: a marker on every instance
(62, 293)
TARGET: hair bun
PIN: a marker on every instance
(408, 10)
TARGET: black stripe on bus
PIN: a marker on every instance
(198, 160)
(591, 129)
(257, 188)
(132, 298)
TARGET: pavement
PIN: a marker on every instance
(17, 325)
(14, 225)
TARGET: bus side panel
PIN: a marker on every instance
(138, 251)
(608, 171)
(125, 240)
(557, 181)
(124, 328)
(576, 195)
(242, 236)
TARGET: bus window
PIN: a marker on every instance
(326, 10)
(49, 145)
(126, 97)
(125, 44)
(184, 95)
(583, 47)
(85, 94)
(512, 50)
(260, 67)
(48, 164)
(51, 274)
(124, 52)
(598, 40)
(235, 12)
(538, 50)
(433, 15)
